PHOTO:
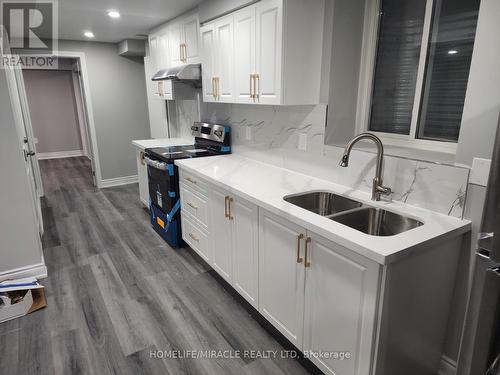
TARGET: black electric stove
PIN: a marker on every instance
(163, 175)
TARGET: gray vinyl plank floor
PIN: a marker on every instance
(117, 293)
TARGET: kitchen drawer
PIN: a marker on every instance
(195, 204)
(196, 238)
(195, 183)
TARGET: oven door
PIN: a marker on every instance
(163, 181)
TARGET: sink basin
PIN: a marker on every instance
(323, 203)
(376, 221)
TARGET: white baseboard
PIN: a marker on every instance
(447, 366)
(119, 181)
(38, 271)
(60, 154)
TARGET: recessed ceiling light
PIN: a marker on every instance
(89, 34)
(114, 14)
(452, 52)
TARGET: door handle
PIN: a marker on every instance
(299, 239)
(217, 82)
(229, 216)
(226, 198)
(213, 88)
(185, 53)
(251, 87)
(257, 86)
(307, 263)
(192, 205)
(31, 153)
(180, 53)
(194, 237)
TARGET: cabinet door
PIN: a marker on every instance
(340, 306)
(191, 35)
(269, 51)
(224, 59)
(281, 276)
(175, 39)
(207, 33)
(163, 51)
(220, 233)
(245, 249)
(142, 172)
(244, 54)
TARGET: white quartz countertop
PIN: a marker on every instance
(265, 185)
(162, 142)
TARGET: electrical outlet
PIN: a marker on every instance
(302, 144)
(248, 133)
(480, 171)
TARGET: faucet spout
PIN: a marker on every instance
(377, 189)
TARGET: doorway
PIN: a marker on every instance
(57, 109)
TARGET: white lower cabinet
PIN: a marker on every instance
(142, 171)
(322, 297)
(220, 235)
(234, 239)
(340, 307)
(281, 276)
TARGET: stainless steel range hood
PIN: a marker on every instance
(186, 73)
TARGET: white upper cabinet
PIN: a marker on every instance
(183, 37)
(269, 52)
(207, 49)
(224, 62)
(244, 54)
(275, 54)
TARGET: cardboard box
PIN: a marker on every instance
(20, 297)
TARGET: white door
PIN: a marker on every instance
(245, 252)
(207, 33)
(24, 142)
(220, 232)
(244, 54)
(269, 51)
(340, 306)
(281, 275)
(175, 41)
(224, 61)
(191, 35)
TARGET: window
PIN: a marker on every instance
(422, 62)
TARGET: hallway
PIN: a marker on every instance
(116, 292)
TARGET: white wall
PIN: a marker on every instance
(118, 94)
(52, 103)
(19, 242)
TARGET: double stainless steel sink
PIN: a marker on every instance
(364, 218)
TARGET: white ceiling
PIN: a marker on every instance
(137, 17)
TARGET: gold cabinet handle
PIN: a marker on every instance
(307, 263)
(299, 239)
(217, 86)
(192, 205)
(193, 237)
(226, 199)
(160, 88)
(257, 86)
(185, 53)
(229, 216)
(142, 158)
(191, 180)
(251, 86)
(213, 88)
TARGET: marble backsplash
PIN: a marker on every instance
(271, 134)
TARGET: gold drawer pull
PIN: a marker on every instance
(191, 180)
(226, 199)
(256, 87)
(299, 238)
(192, 205)
(229, 216)
(142, 158)
(193, 237)
(307, 263)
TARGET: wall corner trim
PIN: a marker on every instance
(447, 366)
(119, 181)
